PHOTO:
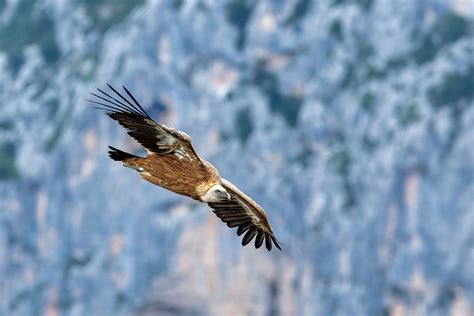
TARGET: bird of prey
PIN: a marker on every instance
(173, 163)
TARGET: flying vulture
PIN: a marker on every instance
(173, 163)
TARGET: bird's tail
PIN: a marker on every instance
(118, 155)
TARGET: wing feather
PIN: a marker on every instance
(243, 228)
(268, 242)
(243, 212)
(259, 239)
(249, 235)
(154, 137)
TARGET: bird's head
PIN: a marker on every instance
(216, 193)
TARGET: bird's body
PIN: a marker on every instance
(171, 173)
(172, 163)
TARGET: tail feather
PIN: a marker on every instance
(118, 155)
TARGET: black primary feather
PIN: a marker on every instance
(268, 242)
(134, 118)
(113, 105)
(249, 235)
(243, 228)
(276, 242)
(119, 155)
(259, 239)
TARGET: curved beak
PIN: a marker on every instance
(224, 196)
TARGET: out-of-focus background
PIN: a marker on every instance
(350, 121)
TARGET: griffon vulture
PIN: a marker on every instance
(173, 163)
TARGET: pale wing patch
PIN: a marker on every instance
(181, 153)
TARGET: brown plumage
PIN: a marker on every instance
(172, 163)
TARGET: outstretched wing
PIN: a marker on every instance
(245, 213)
(155, 138)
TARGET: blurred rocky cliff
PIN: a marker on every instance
(350, 121)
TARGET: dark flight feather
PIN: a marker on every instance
(156, 138)
(268, 242)
(259, 239)
(243, 228)
(275, 241)
(245, 213)
(249, 236)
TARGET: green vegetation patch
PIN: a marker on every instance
(453, 88)
(397, 62)
(336, 30)
(31, 25)
(338, 2)
(8, 168)
(244, 124)
(363, 4)
(5, 125)
(365, 49)
(368, 101)
(107, 13)
(408, 114)
(305, 156)
(369, 143)
(238, 13)
(299, 11)
(446, 30)
(61, 125)
(341, 162)
(288, 106)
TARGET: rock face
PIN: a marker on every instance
(350, 121)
